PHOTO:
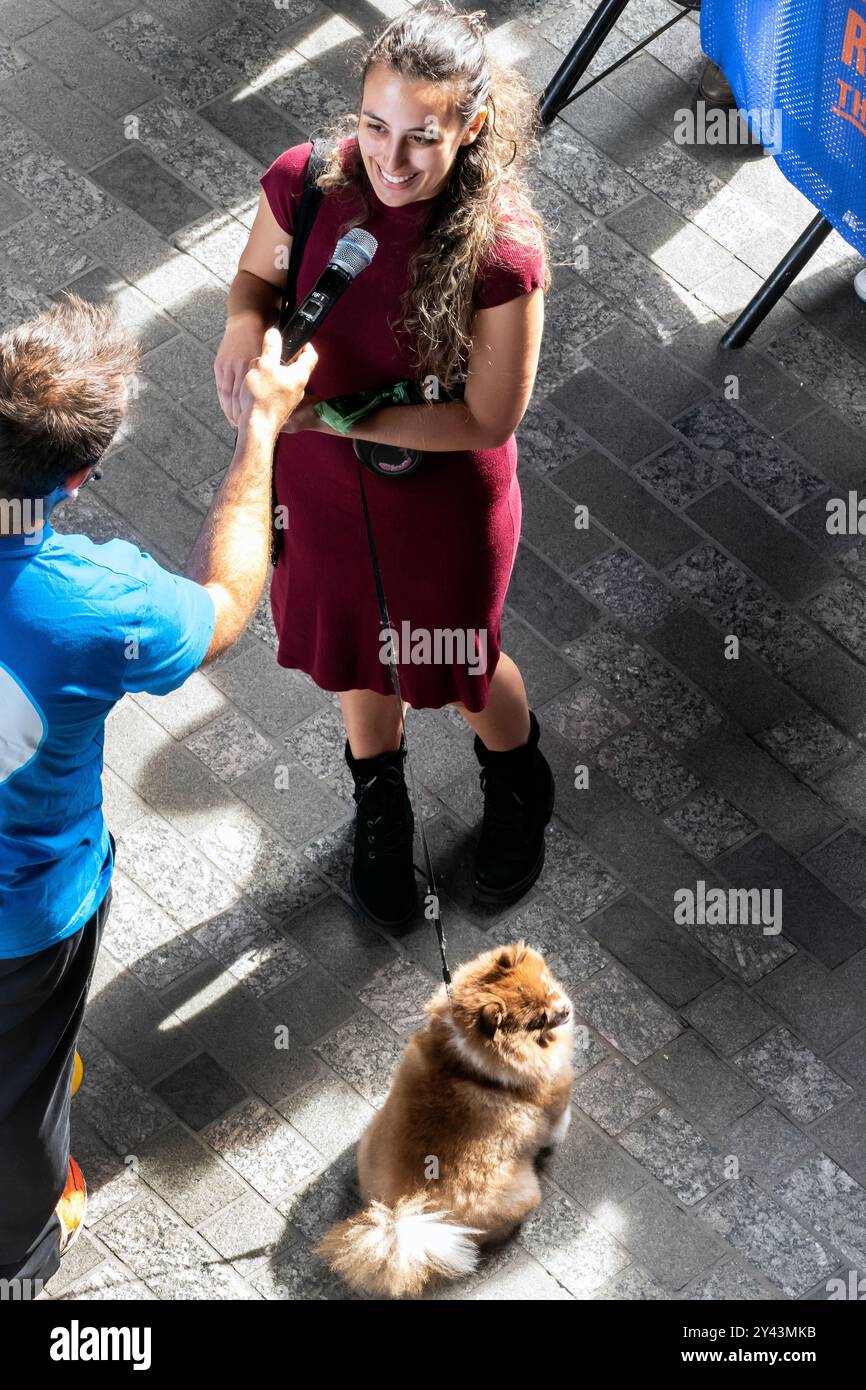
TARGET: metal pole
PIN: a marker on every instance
(575, 65)
(776, 283)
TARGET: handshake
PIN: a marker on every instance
(271, 391)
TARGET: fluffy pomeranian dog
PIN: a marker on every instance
(447, 1165)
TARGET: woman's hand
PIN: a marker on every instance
(242, 341)
(304, 417)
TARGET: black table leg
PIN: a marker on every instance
(569, 73)
(775, 285)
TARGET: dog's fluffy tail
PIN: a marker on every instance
(395, 1250)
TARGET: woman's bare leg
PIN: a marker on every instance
(372, 722)
(503, 724)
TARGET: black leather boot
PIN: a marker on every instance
(383, 875)
(519, 792)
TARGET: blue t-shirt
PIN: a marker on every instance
(80, 625)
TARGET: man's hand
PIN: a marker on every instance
(271, 391)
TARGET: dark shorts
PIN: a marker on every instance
(42, 1001)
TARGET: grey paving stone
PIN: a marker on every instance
(764, 465)
(622, 584)
(790, 1072)
(833, 373)
(365, 1053)
(571, 956)
(582, 171)
(842, 1135)
(273, 696)
(253, 124)
(673, 1248)
(186, 710)
(709, 824)
(655, 951)
(677, 474)
(397, 993)
(574, 879)
(78, 131)
(546, 600)
(249, 1233)
(137, 180)
(84, 60)
(836, 685)
(614, 1096)
(626, 508)
(676, 1154)
(706, 1088)
(634, 1285)
(146, 324)
(157, 1247)
(276, 880)
(806, 744)
(728, 1017)
(193, 18)
(114, 1103)
(684, 252)
(545, 673)
(129, 246)
(549, 523)
(649, 773)
(312, 1003)
(609, 416)
(187, 1175)
(850, 1059)
(343, 943)
(841, 609)
(131, 1023)
(263, 1149)
(827, 441)
(199, 1091)
(772, 551)
(547, 439)
(764, 1142)
(576, 315)
(759, 787)
(626, 1013)
(770, 1239)
(659, 305)
(813, 916)
(144, 939)
(742, 687)
(246, 1037)
(177, 65)
(293, 802)
(574, 1248)
(111, 1183)
(823, 1008)
(831, 1201)
(583, 716)
(328, 1114)
(252, 951)
(230, 747)
(615, 661)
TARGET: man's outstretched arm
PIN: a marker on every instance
(231, 555)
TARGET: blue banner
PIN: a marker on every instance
(799, 68)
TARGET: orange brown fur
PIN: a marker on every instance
(479, 1092)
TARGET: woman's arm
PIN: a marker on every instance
(253, 305)
(502, 366)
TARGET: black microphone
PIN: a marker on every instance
(352, 254)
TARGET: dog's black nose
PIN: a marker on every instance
(561, 1016)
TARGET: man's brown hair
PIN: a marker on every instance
(63, 378)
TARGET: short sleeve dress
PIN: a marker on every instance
(446, 534)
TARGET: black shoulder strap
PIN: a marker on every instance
(308, 207)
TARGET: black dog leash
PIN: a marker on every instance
(431, 901)
(308, 207)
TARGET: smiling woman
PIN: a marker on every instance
(433, 165)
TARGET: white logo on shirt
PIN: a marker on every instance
(22, 727)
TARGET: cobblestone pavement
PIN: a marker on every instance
(718, 1148)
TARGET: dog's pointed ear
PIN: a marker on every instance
(490, 1017)
(505, 957)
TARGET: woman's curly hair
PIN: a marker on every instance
(486, 199)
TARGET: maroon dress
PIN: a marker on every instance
(446, 535)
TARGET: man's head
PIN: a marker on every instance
(63, 393)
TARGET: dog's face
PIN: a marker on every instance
(508, 1003)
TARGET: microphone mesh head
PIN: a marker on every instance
(354, 251)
